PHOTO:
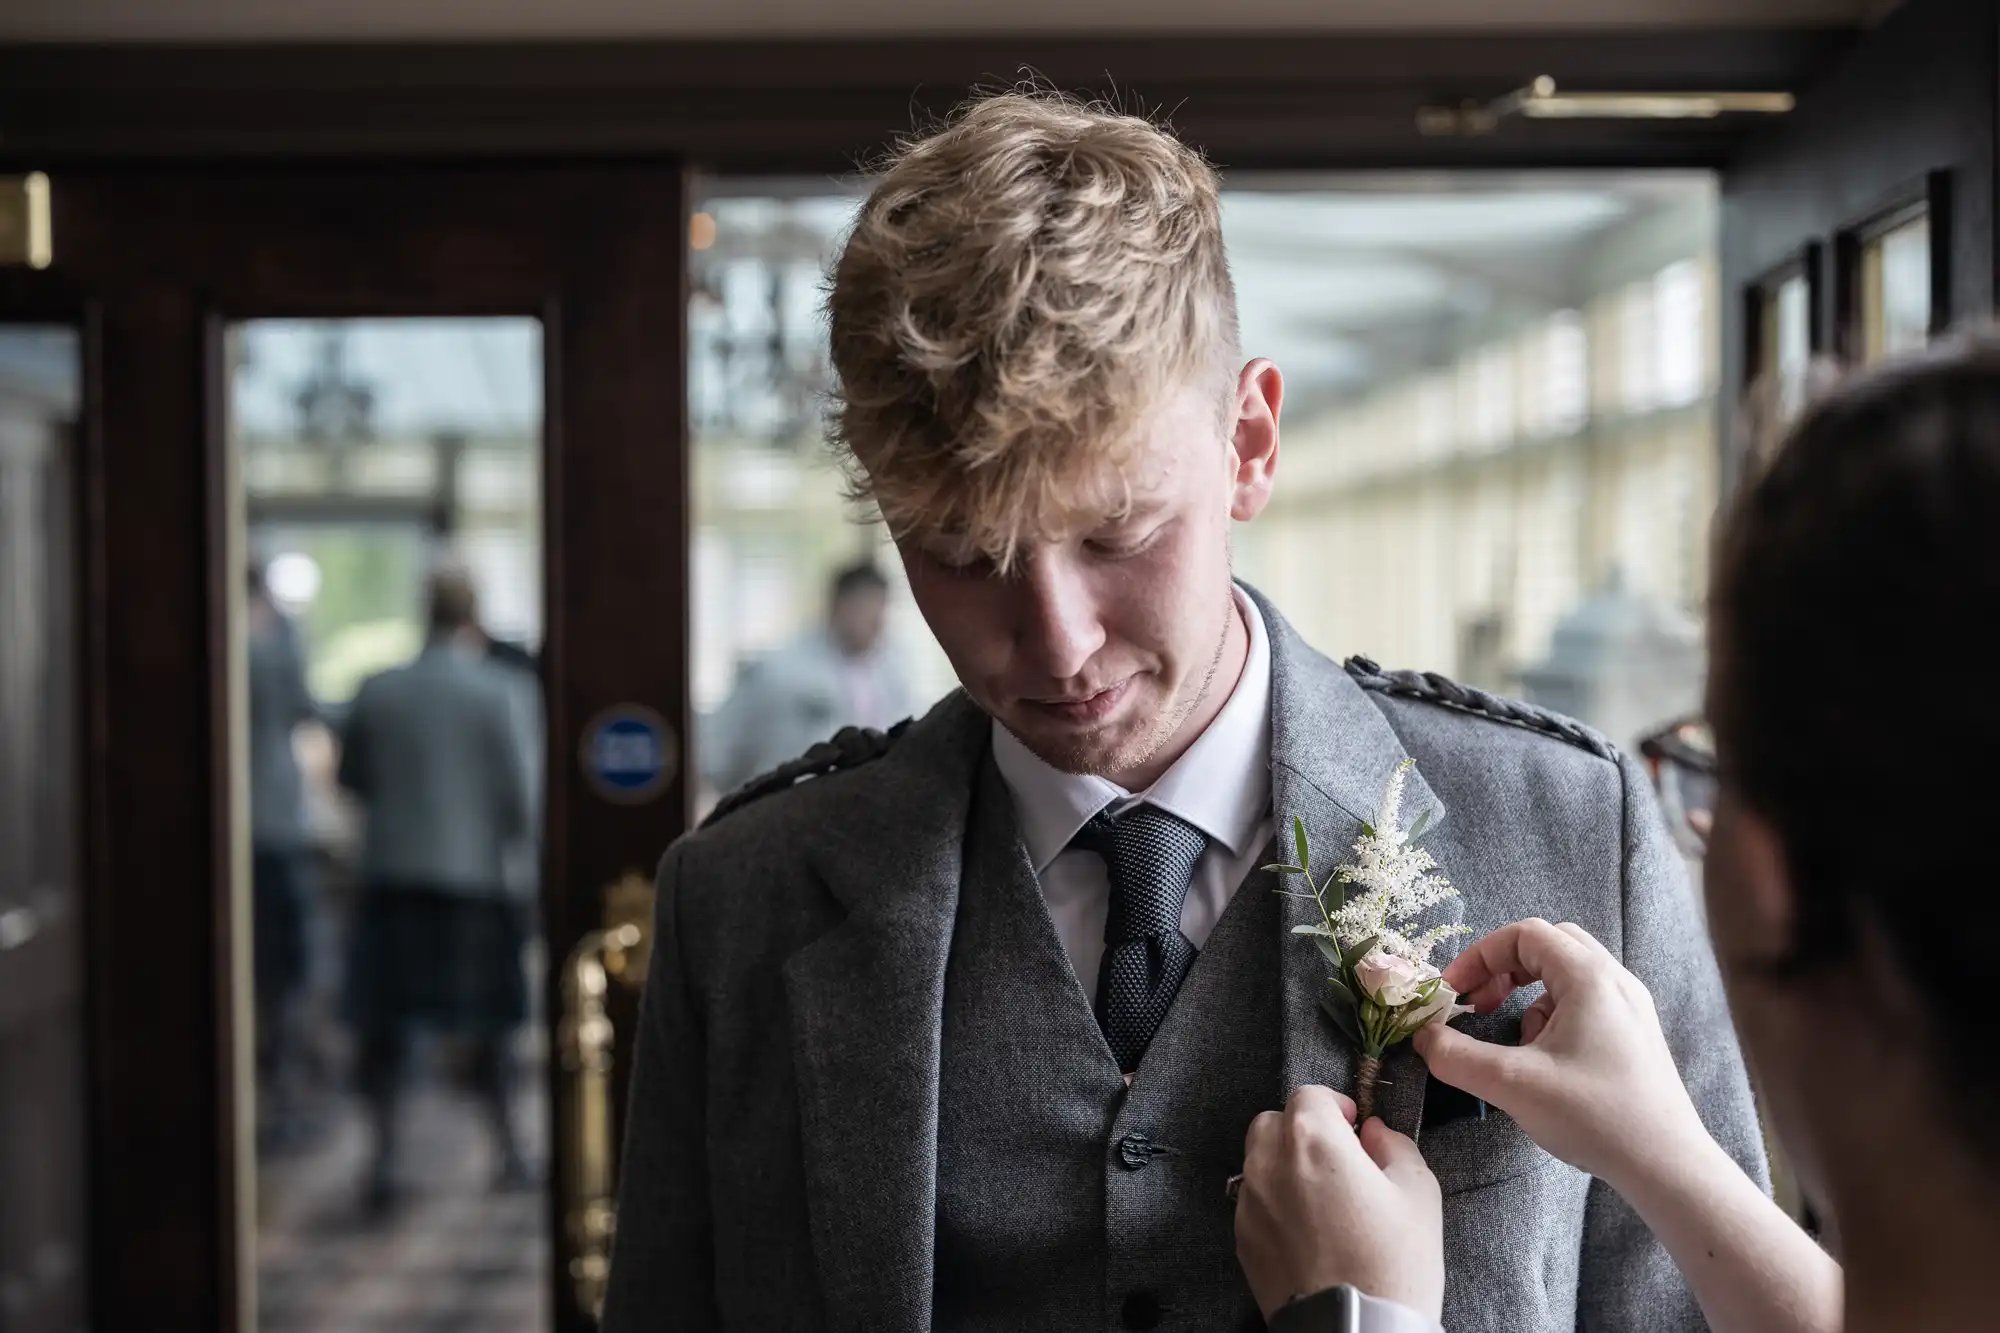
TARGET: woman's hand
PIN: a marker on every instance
(1592, 1081)
(1321, 1205)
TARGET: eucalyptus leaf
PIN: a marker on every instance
(1340, 989)
(1299, 838)
(1283, 870)
(1329, 949)
(1423, 823)
(1343, 1018)
(1368, 828)
(1310, 928)
(1361, 950)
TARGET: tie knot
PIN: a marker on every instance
(1149, 856)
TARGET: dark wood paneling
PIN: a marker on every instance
(1263, 101)
(1917, 97)
(159, 1068)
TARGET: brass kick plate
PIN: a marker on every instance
(25, 238)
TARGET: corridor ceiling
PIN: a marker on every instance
(499, 20)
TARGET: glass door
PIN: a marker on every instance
(42, 1150)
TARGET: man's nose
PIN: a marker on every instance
(1058, 628)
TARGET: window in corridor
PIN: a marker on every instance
(1540, 533)
(1499, 453)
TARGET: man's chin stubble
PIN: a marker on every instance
(1088, 761)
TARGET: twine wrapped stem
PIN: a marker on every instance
(1365, 1079)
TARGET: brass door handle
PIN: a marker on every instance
(587, 1043)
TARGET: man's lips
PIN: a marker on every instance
(1082, 708)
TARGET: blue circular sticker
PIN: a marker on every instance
(628, 753)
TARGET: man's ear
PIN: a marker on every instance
(1260, 394)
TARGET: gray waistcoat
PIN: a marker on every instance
(1065, 1200)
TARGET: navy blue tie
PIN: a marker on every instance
(1150, 857)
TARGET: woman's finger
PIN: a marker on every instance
(1485, 1069)
(1590, 942)
(1494, 992)
(1531, 950)
(1263, 1134)
(1538, 1016)
(1316, 1091)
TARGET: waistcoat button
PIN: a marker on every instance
(1141, 1310)
(1135, 1150)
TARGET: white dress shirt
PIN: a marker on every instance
(1221, 785)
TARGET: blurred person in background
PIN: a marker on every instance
(521, 862)
(432, 750)
(839, 674)
(280, 703)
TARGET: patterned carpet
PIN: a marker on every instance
(456, 1255)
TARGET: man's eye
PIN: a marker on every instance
(968, 563)
(1123, 548)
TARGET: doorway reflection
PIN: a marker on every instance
(393, 612)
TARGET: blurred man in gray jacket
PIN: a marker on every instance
(433, 751)
(282, 907)
(840, 674)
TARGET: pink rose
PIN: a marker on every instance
(1390, 979)
(1443, 1007)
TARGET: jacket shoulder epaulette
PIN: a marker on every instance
(1430, 687)
(849, 747)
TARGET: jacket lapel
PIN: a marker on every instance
(865, 1002)
(1332, 752)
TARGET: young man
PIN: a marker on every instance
(966, 1031)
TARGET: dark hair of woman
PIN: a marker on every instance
(1856, 603)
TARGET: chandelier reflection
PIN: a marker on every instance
(758, 371)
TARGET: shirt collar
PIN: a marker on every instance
(1221, 785)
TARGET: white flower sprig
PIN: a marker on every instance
(1384, 986)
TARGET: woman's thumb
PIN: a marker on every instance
(1478, 1067)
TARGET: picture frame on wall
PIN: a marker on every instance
(1892, 273)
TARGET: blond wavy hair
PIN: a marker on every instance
(1020, 289)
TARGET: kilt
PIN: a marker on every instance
(423, 956)
(277, 926)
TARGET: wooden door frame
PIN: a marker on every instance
(160, 887)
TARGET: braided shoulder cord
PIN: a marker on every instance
(1433, 688)
(850, 747)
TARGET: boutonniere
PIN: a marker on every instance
(1382, 987)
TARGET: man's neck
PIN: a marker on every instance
(1222, 683)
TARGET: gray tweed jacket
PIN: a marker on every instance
(781, 1157)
